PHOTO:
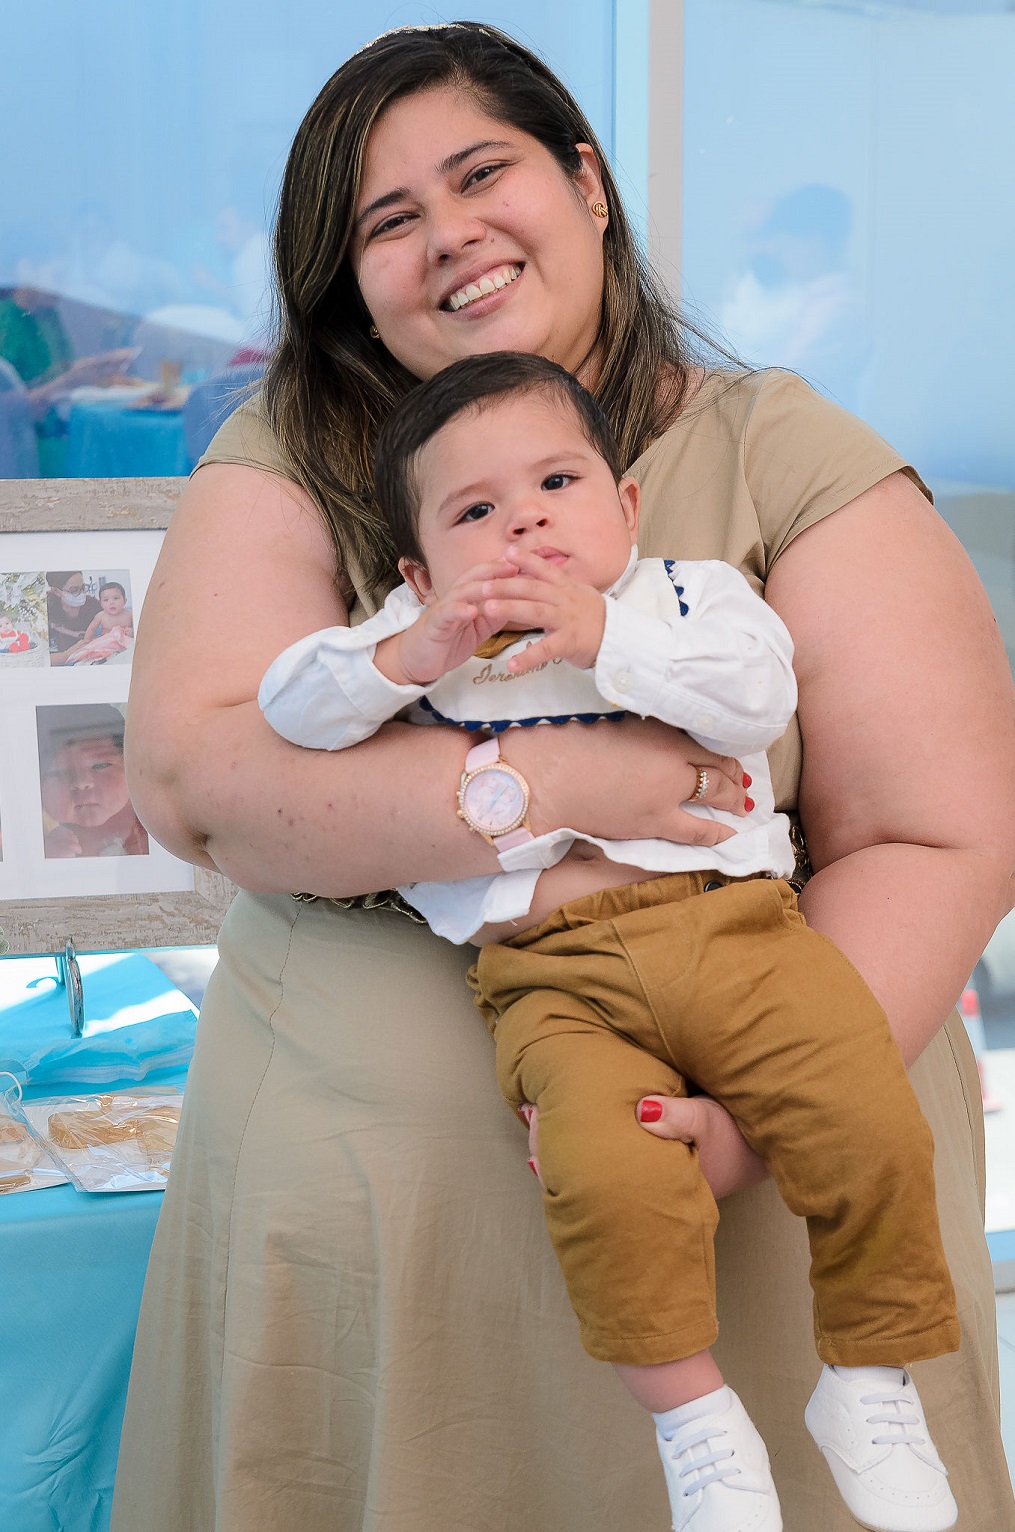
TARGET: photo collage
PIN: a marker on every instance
(67, 824)
(65, 617)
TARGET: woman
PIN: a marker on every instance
(352, 1320)
(69, 610)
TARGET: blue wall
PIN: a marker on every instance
(130, 126)
(911, 119)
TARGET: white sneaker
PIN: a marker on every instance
(875, 1441)
(717, 1475)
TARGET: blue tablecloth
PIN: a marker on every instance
(108, 439)
(72, 1264)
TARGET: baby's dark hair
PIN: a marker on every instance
(468, 385)
(73, 724)
(113, 585)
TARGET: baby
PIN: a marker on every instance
(525, 603)
(115, 613)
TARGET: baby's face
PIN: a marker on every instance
(112, 603)
(519, 473)
(84, 784)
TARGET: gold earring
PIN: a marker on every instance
(375, 334)
(600, 209)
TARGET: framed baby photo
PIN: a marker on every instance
(76, 557)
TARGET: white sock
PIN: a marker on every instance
(669, 1422)
(883, 1377)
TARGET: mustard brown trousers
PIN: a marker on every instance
(694, 977)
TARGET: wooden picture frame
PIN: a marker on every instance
(43, 921)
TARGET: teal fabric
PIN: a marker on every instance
(107, 439)
(72, 1265)
(36, 344)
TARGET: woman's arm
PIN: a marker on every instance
(214, 783)
(66, 656)
(908, 788)
(907, 711)
(83, 370)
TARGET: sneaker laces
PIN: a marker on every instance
(705, 1467)
(901, 1436)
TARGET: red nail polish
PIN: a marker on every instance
(747, 780)
(650, 1111)
(532, 1166)
(748, 804)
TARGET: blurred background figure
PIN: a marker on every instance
(244, 284)
(227, 317)
(795, 303)
(35, 342)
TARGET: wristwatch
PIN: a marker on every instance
(493, 798)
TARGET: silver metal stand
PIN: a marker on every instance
(69, 975)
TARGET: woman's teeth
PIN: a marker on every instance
(484, 287)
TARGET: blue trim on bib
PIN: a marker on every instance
(671, 565)
(497, 726)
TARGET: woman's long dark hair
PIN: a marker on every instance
(329, 386)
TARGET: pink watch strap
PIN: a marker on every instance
(485, 754)
(513, 838)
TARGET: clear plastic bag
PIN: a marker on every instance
(118, 1141)
(24, 1164)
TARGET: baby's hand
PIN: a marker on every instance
(540, 595)
(61, 841)
(446, 633)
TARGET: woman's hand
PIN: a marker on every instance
(105, 367)
(66, 656)
(625, 780)
(727, 1161)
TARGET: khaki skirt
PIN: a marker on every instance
(353, 1319)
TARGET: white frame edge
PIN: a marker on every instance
(123, 922)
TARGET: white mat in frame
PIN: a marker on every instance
(110, 902)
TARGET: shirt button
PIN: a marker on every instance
(622, 680)
(712, 885)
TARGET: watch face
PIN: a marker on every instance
(495, 801)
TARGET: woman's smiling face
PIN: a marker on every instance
(471, 238)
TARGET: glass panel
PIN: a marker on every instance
(850, 212)
(143, 146)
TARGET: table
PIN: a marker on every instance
(108, 438)
(71, 1270)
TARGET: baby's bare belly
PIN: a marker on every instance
(585, 870)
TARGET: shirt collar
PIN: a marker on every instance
(625, 579)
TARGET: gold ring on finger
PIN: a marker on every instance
(698, 796)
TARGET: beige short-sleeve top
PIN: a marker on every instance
(754, 459)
